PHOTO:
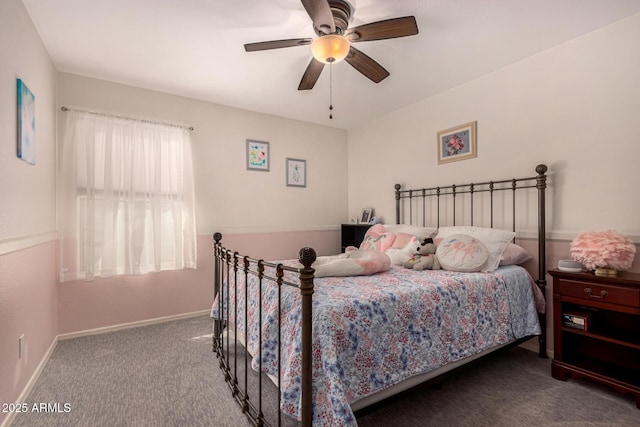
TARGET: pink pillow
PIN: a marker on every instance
(514, 255)
(377, 238)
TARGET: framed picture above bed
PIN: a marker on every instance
(457, 143)
(296, 173)
(257, 155)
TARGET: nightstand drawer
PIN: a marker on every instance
(591, 291)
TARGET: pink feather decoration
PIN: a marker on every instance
(603, 249)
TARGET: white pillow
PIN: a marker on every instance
(494, 239)
(411, 229)
(461, 252)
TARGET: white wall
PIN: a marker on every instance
(230, 198)
(28, 191)
(575, 107)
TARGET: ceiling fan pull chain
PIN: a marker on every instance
(331, 90)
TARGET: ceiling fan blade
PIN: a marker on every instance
(367, 66)
(276, 44)
(311, 74)
(320, 13)
(380, 30)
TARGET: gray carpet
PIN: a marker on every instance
(166, 375)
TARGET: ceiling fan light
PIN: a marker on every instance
(330, 48)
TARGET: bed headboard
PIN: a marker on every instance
(505, 203)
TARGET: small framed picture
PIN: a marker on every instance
(457, 143)
(257, 155)
(296, 173)
(365, 216)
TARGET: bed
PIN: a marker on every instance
(334, 345)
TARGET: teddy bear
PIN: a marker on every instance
(423, 255)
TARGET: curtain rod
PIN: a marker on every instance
(63, 108)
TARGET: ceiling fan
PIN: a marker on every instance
(330, 22)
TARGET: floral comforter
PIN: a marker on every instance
(371, 332)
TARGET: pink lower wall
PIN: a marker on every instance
(28, 305)
(86, 305)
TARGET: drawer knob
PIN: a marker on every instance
(603, 293)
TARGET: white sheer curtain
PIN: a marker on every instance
(127, 198)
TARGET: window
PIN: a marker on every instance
(127, 197)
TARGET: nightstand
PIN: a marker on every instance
(596, 329)
(352, 235)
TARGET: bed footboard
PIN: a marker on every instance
(229, 344)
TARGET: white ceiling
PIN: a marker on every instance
(194, 48)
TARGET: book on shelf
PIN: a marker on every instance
(577, 319)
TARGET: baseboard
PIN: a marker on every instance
(32, 381)
(137, 324)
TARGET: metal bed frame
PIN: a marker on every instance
(229, 266)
